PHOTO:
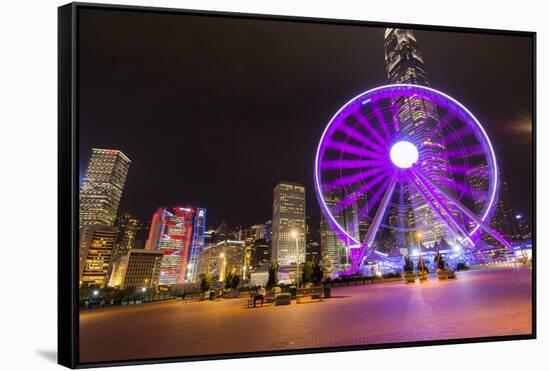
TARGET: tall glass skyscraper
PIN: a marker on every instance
(197, 245)
(289, 224)
(179, 234)
(102, 187)
(417, 118)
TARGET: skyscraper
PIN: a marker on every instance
(331, 246)
(171, 233)
(128, 228)
(289, 224)
(197, 245)
(102, 187)
(504, 218)
(180, 235)
(139, 269)
(417, 119)
(96, 248)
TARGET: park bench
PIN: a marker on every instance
(190, 297)
(315, 293)
(231, 294)
(268, 300)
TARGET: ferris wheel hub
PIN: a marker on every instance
(404, 154)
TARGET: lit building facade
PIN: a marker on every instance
(197, 245)
(260, 253)
(523, 228)
(102, 187)
(171, 233)
(180, 235)
(128, 228)
(137, 270)
(289, 224)
(417, 118)
(223, 257)
(504, 218)
(332, 247)
(96, 249)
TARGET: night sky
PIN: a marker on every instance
(214, 112)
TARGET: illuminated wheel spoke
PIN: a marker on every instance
(351, 164)
(487, 228)
(354, 178)
(436, 205)
(373, 228)
(354, 134)
(351, 149)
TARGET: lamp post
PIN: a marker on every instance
(222, 267)
(418, 237)
(294, 234)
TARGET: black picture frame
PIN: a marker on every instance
(68, 183)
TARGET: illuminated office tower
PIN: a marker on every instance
(332, 247)
(102, 187)
(171, 232)
(197, 245)
(504, 218)
(289, 224)
(138, 270)
(417, 118)
(96, 249)
(224, 257)
(128, 228)
(524, 231)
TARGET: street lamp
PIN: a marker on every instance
(418, 237)
(294, 234)
(222, 267)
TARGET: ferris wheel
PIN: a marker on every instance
(396, 149)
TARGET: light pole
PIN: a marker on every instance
(294, 234)
(418, 237)
(222, 267)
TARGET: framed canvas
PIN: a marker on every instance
(239, 185)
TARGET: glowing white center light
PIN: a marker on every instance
(403, 154)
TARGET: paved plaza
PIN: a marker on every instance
(490, 302)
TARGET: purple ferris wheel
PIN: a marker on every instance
(399, 148)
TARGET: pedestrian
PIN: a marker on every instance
(260, 296)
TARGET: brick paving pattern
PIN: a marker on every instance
(492, 302)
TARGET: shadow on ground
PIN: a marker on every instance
(50, 355)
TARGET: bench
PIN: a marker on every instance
(188, 297)
(268, 300)
(315, 293)
(233, 294)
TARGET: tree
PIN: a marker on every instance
(235, 281)
(409, 265)
(206, 281)
(421, 265)
(317, 271)
(307, 273)
(229, 280)
(273, 279)
(439, 261)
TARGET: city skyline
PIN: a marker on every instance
(233, 169)
(295, 119)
